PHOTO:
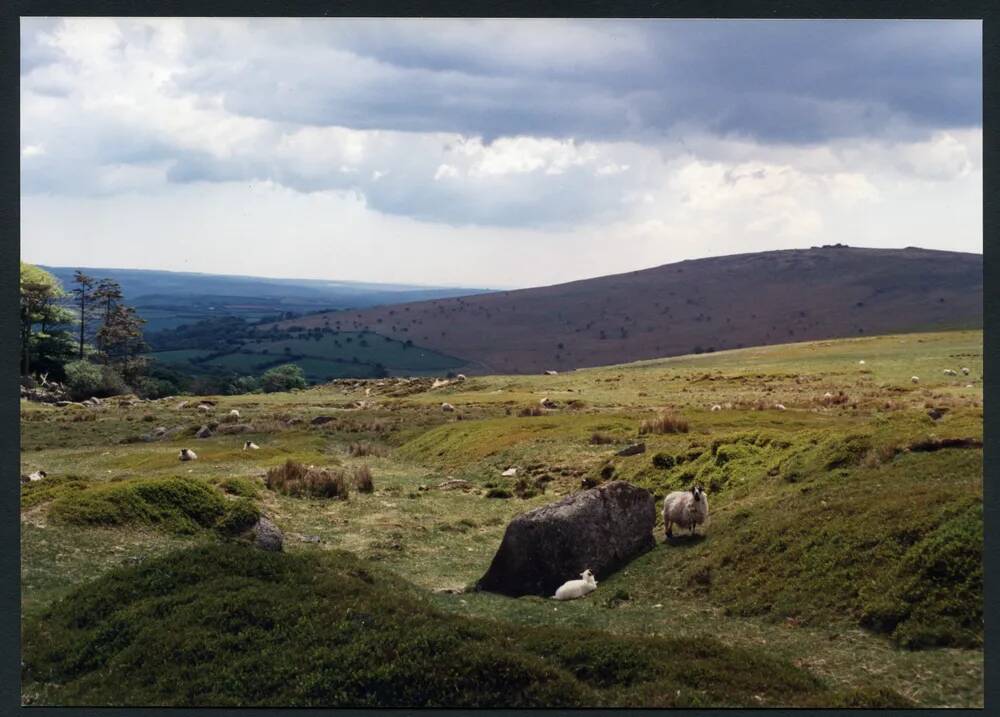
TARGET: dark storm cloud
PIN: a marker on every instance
(774, 81)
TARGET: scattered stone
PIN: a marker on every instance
(182, 404)
(309, 538)
(454, 483)
(936, 413)
(601, 529)
(633, 450)
(159, 431)
(547, 403)
(447, 407)
(204, 408)
(510, 472)
(267, 535)
(320, 420)
(203, 432)
(551, 373)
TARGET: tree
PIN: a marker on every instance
(107, 293)
(84, 294)
(283, 378)
(40, 314)
(122, 340)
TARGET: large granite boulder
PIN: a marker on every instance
(267, 535)
(601, 529)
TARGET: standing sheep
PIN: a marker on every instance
(686, 508)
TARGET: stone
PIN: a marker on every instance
(454, 483)
(203, 432)
(601, 529)
(633, 450)
(267, 535)
(320, 420)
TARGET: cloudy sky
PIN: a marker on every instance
(498, 153)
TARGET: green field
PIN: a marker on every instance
(341, 355)
(841, 565)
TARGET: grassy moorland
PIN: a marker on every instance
(841, 566)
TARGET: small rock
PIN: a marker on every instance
(509, 472)
(551, 373)
(310, 538)
(936, 413)
(633, 450)
(203, 432)
(320, 420)
(547, 403)
(267, 535)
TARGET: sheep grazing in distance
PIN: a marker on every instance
(861, 362)
(965, 371)
(447, 407)
(187, 454)
(914, 379)
(551, 373)
(460, 377)
(716, 407)
(510, 472)
(234, 413)
(573, 589)
(687, 508)
(250, 446)
(827, 395)
(204, 408)
(950, 372)
(779, 406)
(547, 403)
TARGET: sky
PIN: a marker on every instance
(491, 153)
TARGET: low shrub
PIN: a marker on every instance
(178, 505)
(236, 485)
(664, 461)
(361, 478)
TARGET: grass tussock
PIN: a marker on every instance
(597, 438)
(299, 481)
(663, 423)
(361, 479)
(178, 505)
(361, 449)
(531, 411)
(214, 626)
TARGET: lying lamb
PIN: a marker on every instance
(187, 454)
(250, 446)
(577, 588)
(32, 477)
(234, 413)
(915, 379)
(716, 407)
(687, 508)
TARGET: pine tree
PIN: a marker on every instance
(122, 340)
(84, 294)
(106, 296)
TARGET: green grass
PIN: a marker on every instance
(215, 626)
(835, 543)
(177, 505)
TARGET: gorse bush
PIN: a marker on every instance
(228, 625)
(664, 423)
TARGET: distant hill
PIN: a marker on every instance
(688, 307)
(170, 298)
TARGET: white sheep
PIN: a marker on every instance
(577, 588)
(32, 477)
(234, 413)
(687, 508)
(780, 406)
(828, 395)
(250, 446)
(204, 408)
(861, 362)
(509, 472)
(716, 407)
(965, 371)
(551, 373)
(460, 377)
(187, 454)
(547, 403)
(447, 407)
(914, 379)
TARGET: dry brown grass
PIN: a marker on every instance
(664, 423)
(531, 411)
(601, 439)
(362, 449)
(298, 481)
(361, 477)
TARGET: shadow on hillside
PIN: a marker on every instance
(684, 541)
